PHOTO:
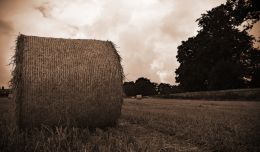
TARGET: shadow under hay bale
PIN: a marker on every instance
(66, 82)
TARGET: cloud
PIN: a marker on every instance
(180, 23)
(6, 30)
(6, 27)
(137, 53)
(135, 28)
(147, 33)
(44, 9)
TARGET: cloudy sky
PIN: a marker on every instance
(146, 32)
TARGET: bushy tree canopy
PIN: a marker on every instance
(145, 87)
(222, 42)
(164, 89)
(129, 88)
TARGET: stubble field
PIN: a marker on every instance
(148, 125)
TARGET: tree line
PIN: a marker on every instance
(223, 55)
(4, 92)
(143, 86)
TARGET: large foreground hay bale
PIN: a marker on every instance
(66, 82)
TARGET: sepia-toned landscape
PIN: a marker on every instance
(130, 76)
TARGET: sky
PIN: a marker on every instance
(146, 32)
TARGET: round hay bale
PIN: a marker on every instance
(66, 82)
(139, 96)
(10, 96)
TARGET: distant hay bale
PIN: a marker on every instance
(10, 96)
(139, 96)
(66, 82)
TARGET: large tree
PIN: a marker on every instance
(256, 78)
(129, 88)
(145, 87)
(164, 89)
(222, 42)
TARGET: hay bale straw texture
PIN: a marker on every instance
(66, 82)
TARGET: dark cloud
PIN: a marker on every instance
(8, 8)
(6, 27)
(3, 3)
(44, 9)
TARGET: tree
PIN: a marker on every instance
(164, 89)
(244, 11)
(144, 87)
(219, 41)
(3, 92)
(253, 71)
(225, 75)
(255, 83)
(129, 88)
(176, 89)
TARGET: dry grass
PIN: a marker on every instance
(149, 125)
(210, 125)
(66, 82)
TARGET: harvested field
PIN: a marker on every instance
(149, 125)
(235, 94)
